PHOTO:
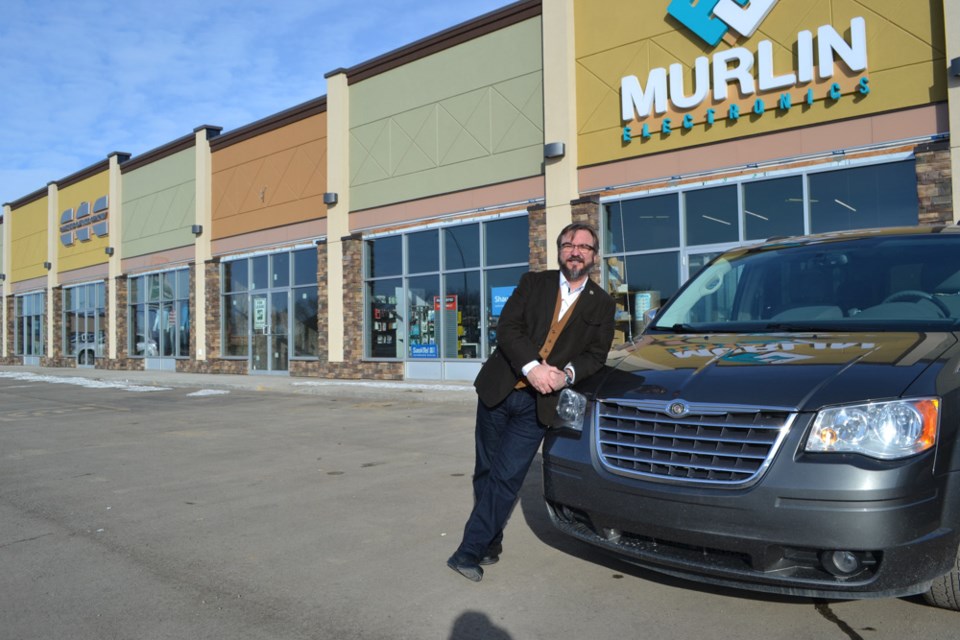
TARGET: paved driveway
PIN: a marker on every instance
(262, 510)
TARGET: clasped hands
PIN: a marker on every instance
(546, 378)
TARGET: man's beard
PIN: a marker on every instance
(574, 272)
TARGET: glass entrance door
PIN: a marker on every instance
(269, 320)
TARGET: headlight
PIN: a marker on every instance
(885, 430)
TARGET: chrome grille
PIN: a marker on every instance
(709, 444)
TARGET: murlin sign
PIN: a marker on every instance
(710, 20)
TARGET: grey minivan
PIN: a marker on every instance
(788, 422)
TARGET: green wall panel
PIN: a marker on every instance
(159, 205)
(462, 118)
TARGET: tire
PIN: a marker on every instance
(945, 590)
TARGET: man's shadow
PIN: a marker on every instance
(473, 625)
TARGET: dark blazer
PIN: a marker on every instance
(522, 330)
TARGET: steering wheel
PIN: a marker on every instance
(913, 294)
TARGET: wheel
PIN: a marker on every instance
(912, 294)
(945, 590)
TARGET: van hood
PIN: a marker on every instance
(791, 370)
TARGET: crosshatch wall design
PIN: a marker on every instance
(475, 117)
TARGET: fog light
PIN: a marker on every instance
(840, 563)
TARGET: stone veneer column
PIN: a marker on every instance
(587, 211)
(537, 220)
(212, 293)
(934, 183)
(10, 358)
(55, 348)
(353, 299)
(323, 320)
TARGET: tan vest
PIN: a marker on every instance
(556, 328)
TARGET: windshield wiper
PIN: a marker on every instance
(793, 327)
(680, 328)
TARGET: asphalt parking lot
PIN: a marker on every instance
(143, 506)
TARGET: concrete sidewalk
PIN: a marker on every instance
(434, 391)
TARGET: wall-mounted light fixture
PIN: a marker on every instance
(108, 251)
(330, 198)
(47, 266)
(3, 277)
(196, 229)
(955, 67)
(553, 150)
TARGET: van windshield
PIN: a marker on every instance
(880, 283)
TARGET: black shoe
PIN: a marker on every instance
(492, 556)
(466, 567)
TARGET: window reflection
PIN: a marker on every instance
(874, 196)
(712, 216)
(773, 208)
(642, 223)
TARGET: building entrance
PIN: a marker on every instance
(270, 331)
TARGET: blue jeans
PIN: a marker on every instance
(507, 439)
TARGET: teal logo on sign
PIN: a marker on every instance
(711, 19)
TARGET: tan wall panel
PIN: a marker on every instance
(271, 180)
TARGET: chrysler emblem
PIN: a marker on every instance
(678, 409)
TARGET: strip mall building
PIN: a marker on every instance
(375, 232)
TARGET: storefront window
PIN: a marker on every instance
(507, 241)
(305, 301)
(159, 314)
(500, 283)
(712, 216)
(423, 252)
(30, 320)
(429, 312)
(874, 196)
(385, 319)
(773, 208)
(236, 330)
(642, 224)
(272, 317)
(647, 251)
(84, 328)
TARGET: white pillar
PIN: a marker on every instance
(338, 215)
(5, 284)
(203, 244)
(559, 117)
(53, 219)
(114, 269)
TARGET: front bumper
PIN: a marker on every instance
(772, 536)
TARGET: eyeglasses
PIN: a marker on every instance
(584, 248)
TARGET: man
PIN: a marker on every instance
(555, 329)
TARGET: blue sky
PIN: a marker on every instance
(83, 78)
